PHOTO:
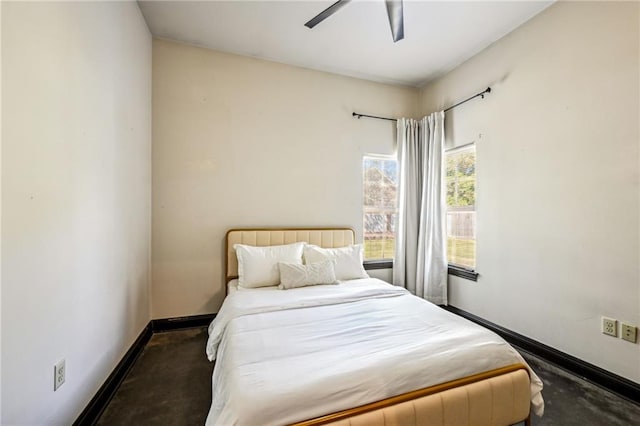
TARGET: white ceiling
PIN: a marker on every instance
(355, 41)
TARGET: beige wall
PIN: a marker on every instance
(558, 178)
(1, 133)
(243, 142)
(76, 200)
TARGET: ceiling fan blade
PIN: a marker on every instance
(396, 19)
(326, 13)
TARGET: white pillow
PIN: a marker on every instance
(347, 260)
(293, 275)
(258, 266)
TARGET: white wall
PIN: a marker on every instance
(76, 200)
(558, 178)
(242, 142)
(382, 274)
(1, 133)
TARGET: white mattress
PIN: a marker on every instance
(290, 355)
(232, 286)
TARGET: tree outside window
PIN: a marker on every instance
(460, 181)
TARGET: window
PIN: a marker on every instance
(380, 178)
(460, 181)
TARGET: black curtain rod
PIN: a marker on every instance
(355, 114)
(481, 94)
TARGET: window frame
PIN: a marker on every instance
(459, 271)
(372, 264)
(453, 268)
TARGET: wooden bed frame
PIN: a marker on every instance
(496, 397)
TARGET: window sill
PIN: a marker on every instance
(467, 274)
(377, 264)
(452, 270)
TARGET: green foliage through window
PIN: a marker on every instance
(460, 184)
(461, 178)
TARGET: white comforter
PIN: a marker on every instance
(288, 355)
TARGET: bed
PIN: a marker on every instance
(361, 352)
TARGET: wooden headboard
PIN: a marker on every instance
(323, 237)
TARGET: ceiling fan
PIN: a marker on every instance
(394, 11)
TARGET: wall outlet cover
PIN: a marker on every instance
(59, 372)
(629, 332)
(610, 326)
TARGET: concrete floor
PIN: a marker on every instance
(570, 400)
(170, 384)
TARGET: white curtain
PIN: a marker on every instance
(420, 263)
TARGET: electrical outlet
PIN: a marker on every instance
(59, 371)
(629, 332)
(610, 326)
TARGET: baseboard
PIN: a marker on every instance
(168, 324)
(98, 403)
(606, 379)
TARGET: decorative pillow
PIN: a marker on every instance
(347, 260)
(258, 266)
(293, 275)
